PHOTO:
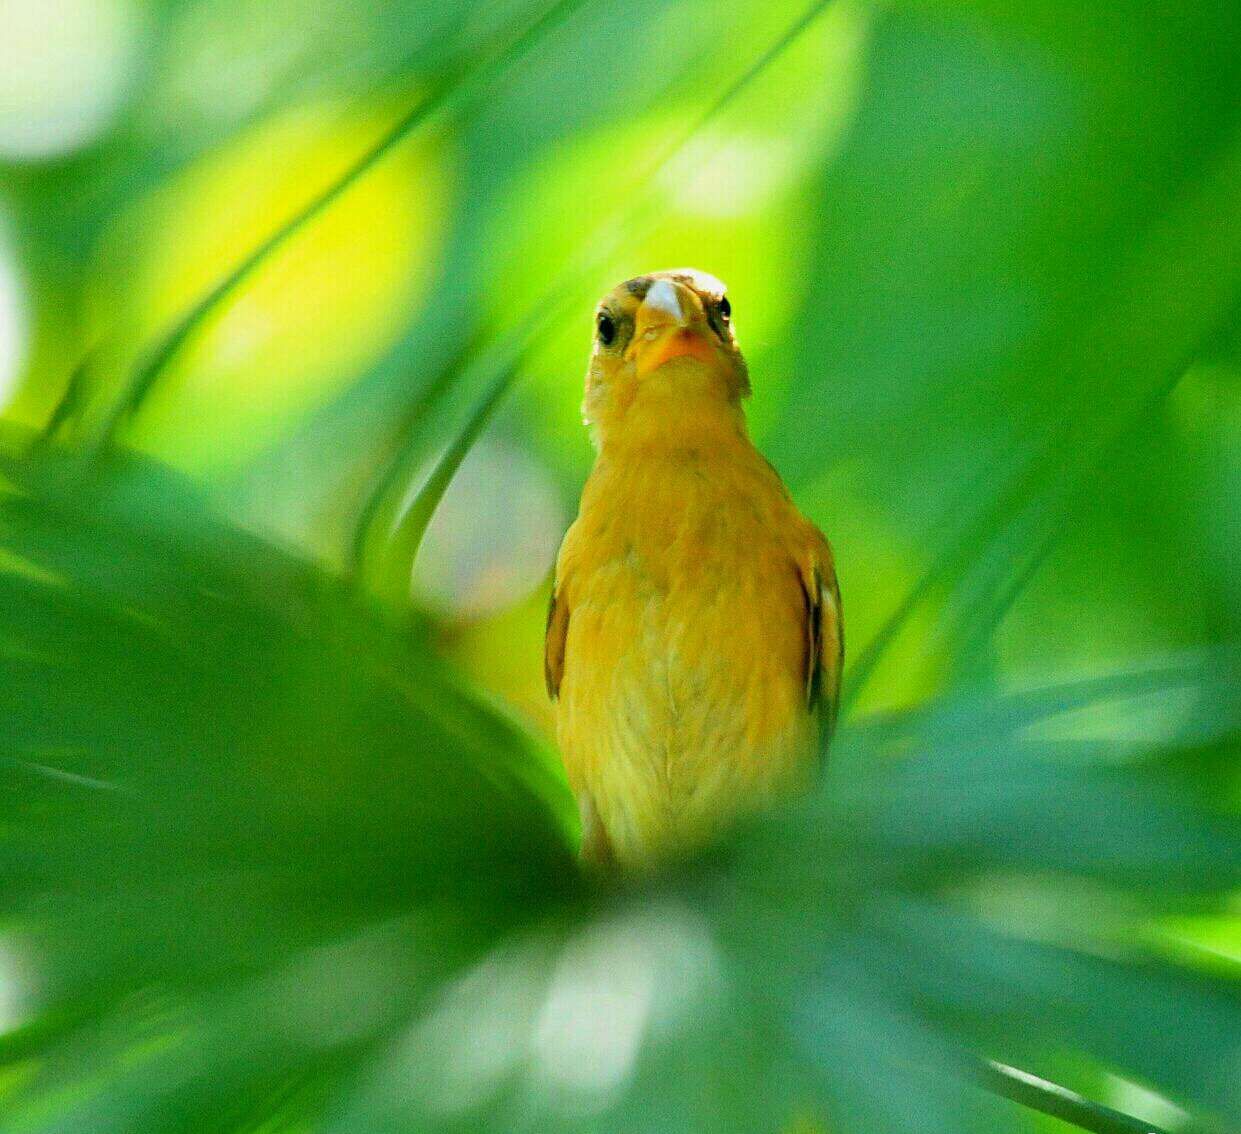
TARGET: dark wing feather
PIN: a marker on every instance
(554, 642)
(825, 644)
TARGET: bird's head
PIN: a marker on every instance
(664, 342)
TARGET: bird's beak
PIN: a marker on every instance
(669, 325)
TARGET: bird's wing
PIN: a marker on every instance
(825, 638)
(553, 643)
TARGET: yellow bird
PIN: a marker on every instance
(694, 640)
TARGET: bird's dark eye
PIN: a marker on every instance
(726, 308)
(607, 328)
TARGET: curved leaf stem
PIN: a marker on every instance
(1059, 1102)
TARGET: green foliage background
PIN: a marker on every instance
(281, 851)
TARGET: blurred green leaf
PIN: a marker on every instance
(257, 837)
(272, 862)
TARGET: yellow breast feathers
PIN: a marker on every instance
(694, 636)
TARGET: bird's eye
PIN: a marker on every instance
(607, 328)
(726, 308)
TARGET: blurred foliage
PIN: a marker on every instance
(286, 287)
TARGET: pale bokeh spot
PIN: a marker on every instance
(495, 534)
(617, 985)
(729, 178)
(475, 1039)
(13, 330)
(64, 67)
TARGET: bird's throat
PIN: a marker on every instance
(683, 404)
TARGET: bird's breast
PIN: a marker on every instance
(683, 691)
